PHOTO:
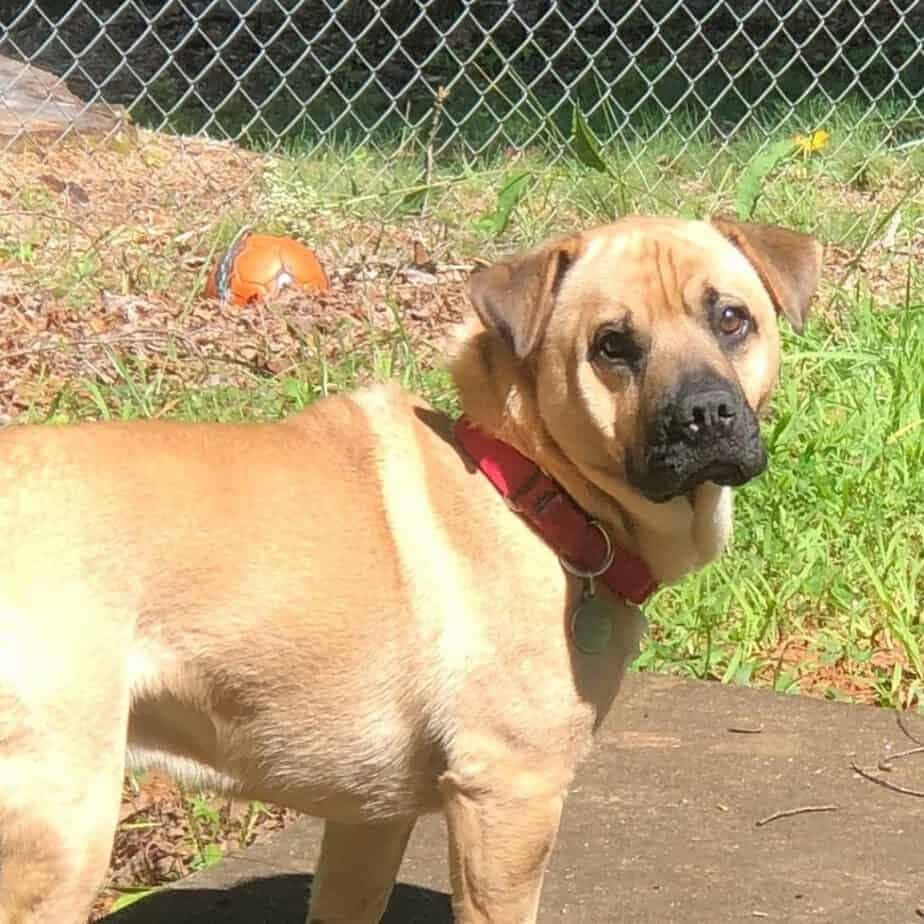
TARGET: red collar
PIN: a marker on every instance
(553, 514)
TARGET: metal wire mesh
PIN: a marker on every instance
(467, 77)
(137, 137)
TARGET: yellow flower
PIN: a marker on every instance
(811, 144)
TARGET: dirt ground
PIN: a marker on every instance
(163, 837)
(103, 255)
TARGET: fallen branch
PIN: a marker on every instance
(95, 240)
(900, 719)
(788, 813)
(881, 782)
(884, 763)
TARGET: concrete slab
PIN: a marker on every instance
(661, 825)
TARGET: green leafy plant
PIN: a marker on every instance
(495, 222)
(413, 201)
(204, 825)
(587, 150)
(584, 144)
(128, 896)
(207, 856)
(752, 182)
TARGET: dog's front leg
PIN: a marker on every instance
(500, 838)
(357, 870)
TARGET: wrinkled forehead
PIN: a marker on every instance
(662, 259)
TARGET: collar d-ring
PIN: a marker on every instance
(608, 557)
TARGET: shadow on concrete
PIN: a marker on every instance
(278, 899)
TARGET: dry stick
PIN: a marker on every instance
(441, 95)
(138, 336)
(900, 718)
(881, 782)
(48, 216)
(788, 813)
(856, 259)
(95, 240)
(142, 336)
(884, 763)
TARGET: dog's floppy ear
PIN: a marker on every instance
(515, 296)
(788, 263)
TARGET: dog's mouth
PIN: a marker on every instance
(661, 481)
(722, 472)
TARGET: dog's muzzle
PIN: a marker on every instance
(704, 431)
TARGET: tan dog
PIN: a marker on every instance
(338, 612)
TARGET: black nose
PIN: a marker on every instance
(705, 414)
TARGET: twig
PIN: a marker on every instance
(881, 782)
(94, 240)
(442, 94)
(48, 216)
(884, 763)
(744, 730)
(853, 262)
(900, 718)
(138, 337)
(336, 203)
(788, 813)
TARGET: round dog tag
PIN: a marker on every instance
(592, 625)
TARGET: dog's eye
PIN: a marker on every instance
(616, 346)
(733, 321)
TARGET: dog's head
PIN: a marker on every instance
(651, 344)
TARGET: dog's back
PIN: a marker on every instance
(116, 539)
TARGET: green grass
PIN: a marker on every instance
(139, 393)
(827, 547)
(826, 552)
(824, 586)
(683, 167)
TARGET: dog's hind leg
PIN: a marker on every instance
(63, 717)
(357, 870)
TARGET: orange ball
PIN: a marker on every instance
(258, 266)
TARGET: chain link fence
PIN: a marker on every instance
(468, 76)
(194, 109)
(138, 137)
